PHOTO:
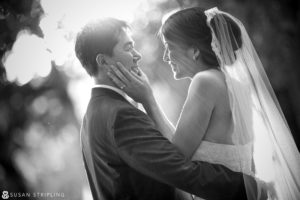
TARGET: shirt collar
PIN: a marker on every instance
(117, 90)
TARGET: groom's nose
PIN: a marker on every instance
(136, 55)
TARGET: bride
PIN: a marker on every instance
(231, 115)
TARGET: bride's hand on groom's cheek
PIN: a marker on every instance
(134, 82)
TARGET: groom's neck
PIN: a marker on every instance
(103, 81)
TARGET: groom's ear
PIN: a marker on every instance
(100, 59)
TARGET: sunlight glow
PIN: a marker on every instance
(32, 56)
(28, 58)
(71, 14)
(86, 194)
(64, 18)
(162, 93)
(80, 92)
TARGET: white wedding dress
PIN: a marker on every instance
(227, 155)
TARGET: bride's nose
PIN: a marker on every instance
(166, 56)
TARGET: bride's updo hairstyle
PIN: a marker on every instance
(188, 28)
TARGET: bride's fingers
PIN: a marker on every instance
(137, 77)
(142, 77)
(136, 70)
(106, 68)
(126, 73)
(116, 80)
(119, 74)
(143, 74)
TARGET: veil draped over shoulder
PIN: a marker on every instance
(257, 115)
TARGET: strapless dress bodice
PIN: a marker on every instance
(235, 157)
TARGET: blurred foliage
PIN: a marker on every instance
(37, 120)
(39, 132)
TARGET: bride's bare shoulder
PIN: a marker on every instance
(209, 81)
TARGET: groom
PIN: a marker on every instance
(125, 155)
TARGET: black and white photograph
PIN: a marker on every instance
(149, 100)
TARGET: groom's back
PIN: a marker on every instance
(109, 175)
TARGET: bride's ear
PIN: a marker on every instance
(194, 53)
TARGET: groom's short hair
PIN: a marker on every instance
(98, 36)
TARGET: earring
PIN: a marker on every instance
(194, 57)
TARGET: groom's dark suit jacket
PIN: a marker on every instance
(133, 161)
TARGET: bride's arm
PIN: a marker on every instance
(196, 114)
(194, 118)
(158, 116)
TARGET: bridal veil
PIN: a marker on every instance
(257, 115)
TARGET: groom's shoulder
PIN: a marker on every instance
(101, 112)
(115, 108)
(107, 105)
